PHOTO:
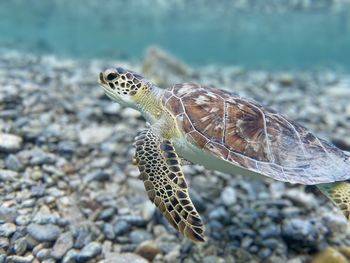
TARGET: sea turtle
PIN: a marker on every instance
(224, 132)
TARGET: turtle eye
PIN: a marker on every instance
(112, 76)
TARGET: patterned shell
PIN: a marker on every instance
(253, 136)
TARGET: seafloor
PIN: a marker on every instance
(69, 193)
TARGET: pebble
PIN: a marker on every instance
(148, 249)
(10, 142)
(43, 233)
(63, 243)
(121, 227)
(95, 134)
(13, 163)
(8, 175)
(124, 258)
(89, 251)
(20, 259)
(228, 196)
(7, 229)
(137, 236)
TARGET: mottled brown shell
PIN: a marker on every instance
(254, 137)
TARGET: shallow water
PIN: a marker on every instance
(198, 34)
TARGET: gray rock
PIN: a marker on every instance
(218, 213)
(228, 196)
(70, 256)
(44, 233)
(13, 163)
(20, 246)
(82, 237)
(95, 134)
(124, 258)
(63, 243)
(40, 157)
(8, 214)
(89, 251)
(43, 254)
(8, 175)
(303, 234)
(4, 243)
(108, 231)
(107, 214)
(7, 229)
(20, 259)
(121, 227)
(96, 176)
(10, 142)
(2, 258)
(137, 236)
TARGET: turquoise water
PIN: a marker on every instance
(197, 34)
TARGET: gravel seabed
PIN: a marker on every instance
(69, 193)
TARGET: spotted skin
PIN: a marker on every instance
(339, 194)
(252, 136)
(165, 184)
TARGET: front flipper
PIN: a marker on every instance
(165, 183)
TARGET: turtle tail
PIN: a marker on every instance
(339, 194)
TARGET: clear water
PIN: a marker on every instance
(198, 34)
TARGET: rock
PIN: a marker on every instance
(44, 233)
(303, 234)
(40, 157)
(8, 214)
(10, 142)
(228, 196)
(70, 256)
(148, 249)
(108, 231)
(95, 134)
(7, 175)
(138, 235)
(329, 255)
(89, 251)
(20, 259)
(13, 163)
(124, 258)
(20, 246)
(219, 214)
(107, 214)
(163, 67)
(62, 245)
(96, 176)
(7, 229)
(213, 259)
(121, 227)
(4, 243)
(300, 198)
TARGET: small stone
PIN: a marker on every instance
(148, 249)
(20, 259)
(137, 236)
(329, 255)
(89, 251)
(228, 196)
(20, 246)
(62, 245)
(213, 259)
(107, 214)
(108, 231)
(264, 253)
(43, 233)
(13, 163)
(70, 256)
(218, 213)
(10, 142)
(96, 176)
(95, 134)
(121, 227)
(7, 229)
(43, 254)
(124, 258)
(4, 243)
(8, 214)
(7, 175)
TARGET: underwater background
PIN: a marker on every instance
(68, 189)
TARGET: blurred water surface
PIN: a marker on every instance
(211, 32)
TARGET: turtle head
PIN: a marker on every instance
(124, 86)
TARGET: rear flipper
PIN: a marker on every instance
(339, 194)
